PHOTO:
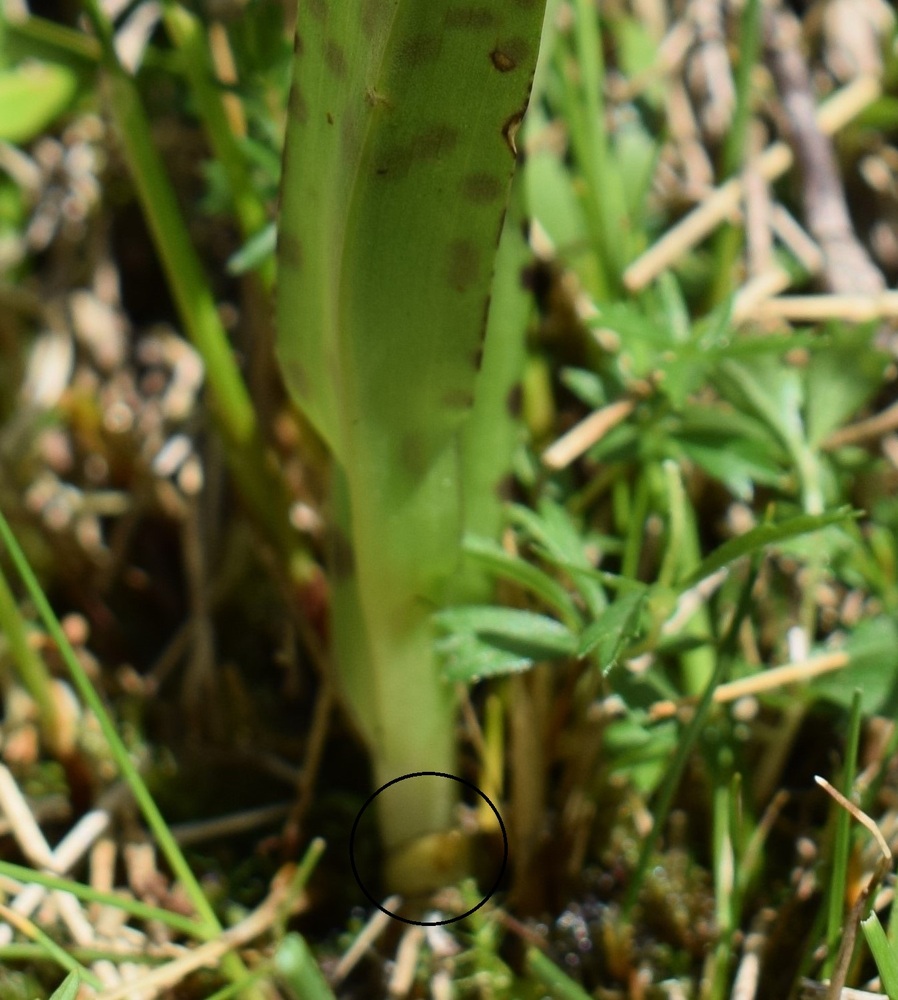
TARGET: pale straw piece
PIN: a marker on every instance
(832, 115)
(376, 925)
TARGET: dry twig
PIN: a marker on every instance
(847, 265)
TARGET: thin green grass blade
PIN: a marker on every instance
(838, 878)
(31, 668)
(116, 745)
(549, 975)
(188, 34)
(68, 988)
(176, 921)
(883, 954)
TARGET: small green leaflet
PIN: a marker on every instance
(485, 641)
(68, 988)
(607, 637)
(297, 968)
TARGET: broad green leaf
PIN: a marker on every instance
(487, 641)
(764, 534)
(397, 109)
(493, 431)
(642, 753)
(32, 97)
(399, 150)
(774, 392)
(638, 50)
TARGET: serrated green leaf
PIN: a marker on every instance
(840, 377)
(608, 636)
(552, 528)
(765, 534)
(494, 559)
(469, 659)
(873, 668)
(739, 463)
(533, 636)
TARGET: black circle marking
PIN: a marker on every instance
(461, 781)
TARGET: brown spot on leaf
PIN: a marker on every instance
(514, 401)
(420, 49)
(330, 118)
(297, 377)
(505, 488)
(463, 264)
(298, 46)
(289, 250)
(371, 13)
(457, 399)
(502, 61)
(336, 61)
(501, 225)
(473, 18)
(517, 50)
(435, 142)
(349, 135)
(394, 163)
(477, 358)
(482, 188)
(432, 144)
(376, 99)
(413, 454)
(296, 106)
(486, 315)
(286, 159)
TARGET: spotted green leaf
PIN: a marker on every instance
(397, 162)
